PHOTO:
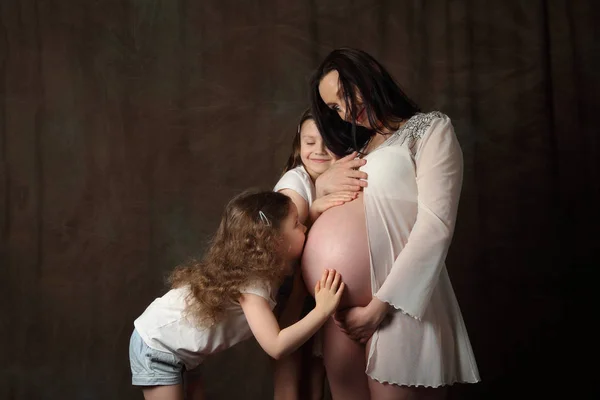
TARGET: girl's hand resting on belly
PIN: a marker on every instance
(324, 203)
(328, 292)
(359, 323)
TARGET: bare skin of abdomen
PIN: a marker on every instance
(338, 240)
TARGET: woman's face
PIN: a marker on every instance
(331, 94)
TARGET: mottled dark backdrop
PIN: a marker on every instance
(126, 126)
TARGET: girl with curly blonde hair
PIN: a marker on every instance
(227, 297)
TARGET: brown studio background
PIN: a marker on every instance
(126, 126)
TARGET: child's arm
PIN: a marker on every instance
(309, 214)
(278, 343)
(320, 205)
(300, 202)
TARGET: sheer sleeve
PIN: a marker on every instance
(439, 169)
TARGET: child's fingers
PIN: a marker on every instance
(317, 287)
(336, 281)
(340, 291)
(330, 277)
(336, 203)
(343, 198)
(324, 278)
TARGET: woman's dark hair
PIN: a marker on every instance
(359, 73)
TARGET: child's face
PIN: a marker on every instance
(316, 158)
(293, 232)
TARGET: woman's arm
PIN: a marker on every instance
(439, 172)
(277, 342)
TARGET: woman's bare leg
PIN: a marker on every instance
(385, 391)
(345, 365)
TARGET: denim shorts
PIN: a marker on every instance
(150, 367)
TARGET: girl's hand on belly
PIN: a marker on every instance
(328, 292)
(359, 323)
(322, 204)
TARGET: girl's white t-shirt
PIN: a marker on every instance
(164, 326)
(298, 180)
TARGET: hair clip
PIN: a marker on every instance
(264, 218)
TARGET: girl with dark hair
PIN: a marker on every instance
(308, 160)
(399, 320)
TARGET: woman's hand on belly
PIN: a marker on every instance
(359, 323)
(343, 175)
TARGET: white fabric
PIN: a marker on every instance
(415, 180)
(164, 327)
(299, 181)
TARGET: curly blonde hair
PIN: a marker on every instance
(246, 249)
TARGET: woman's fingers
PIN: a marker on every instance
(347, 158)
(355, 174)
(354, 162)
(355, 182)
(353, 188)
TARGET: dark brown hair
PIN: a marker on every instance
(359, 73)
(245, 250)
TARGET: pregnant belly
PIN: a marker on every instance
(338, 240)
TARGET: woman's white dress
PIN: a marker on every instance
(411, 202)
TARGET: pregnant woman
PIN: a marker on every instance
(400, 321)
